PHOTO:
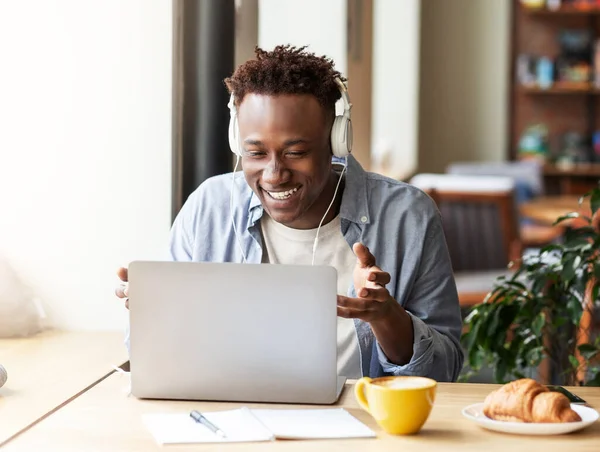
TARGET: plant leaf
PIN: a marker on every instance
(568, 272)
(574, 310)
(465, 338)
(576, 262)
(515, 283)
(500, 371)
(476, 357)
(529, 339)
(559, 321)
(492, 329)
(538, 286)
(578, 244)
(568, 216)
(594, 381)
(588, 351)
(472, 340)
(574, 362)
(549, 248)
(538, 324)
(587, 232)
(534, 356)
(595, 201)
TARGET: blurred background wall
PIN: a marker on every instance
(464, 82)
(85, 148)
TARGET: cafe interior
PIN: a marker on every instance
(114, 112)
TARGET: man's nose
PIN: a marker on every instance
(275, 173)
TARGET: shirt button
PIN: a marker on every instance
(364, 219)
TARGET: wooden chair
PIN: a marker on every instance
(529, 184)
(481, 228)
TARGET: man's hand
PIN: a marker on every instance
(374, 301)
(391, 324)
(122, 290)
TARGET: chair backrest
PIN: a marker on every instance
(479, 218)
(527, 174)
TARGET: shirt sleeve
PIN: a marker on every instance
(435, 312)
(180, 242)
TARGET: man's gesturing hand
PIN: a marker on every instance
(374, 301)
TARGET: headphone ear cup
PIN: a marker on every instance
(341, 137)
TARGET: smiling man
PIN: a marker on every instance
(398, 311)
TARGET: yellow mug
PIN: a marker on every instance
(400, 405)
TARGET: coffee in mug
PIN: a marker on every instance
(402, 382)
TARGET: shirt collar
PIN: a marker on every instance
(354, 206)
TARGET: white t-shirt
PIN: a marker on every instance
(284, 245)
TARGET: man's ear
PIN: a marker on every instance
(329, 128)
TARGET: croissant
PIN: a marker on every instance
(526, 400)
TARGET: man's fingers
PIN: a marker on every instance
(348, 313)
(353, 303)
(360, 308)
(345, 313)
(374, 293)
(122, 291)
(379, 277)
(363, 255)
(122, 274)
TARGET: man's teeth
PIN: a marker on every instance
(282, 194)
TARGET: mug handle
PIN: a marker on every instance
(359, 392)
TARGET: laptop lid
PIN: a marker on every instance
(233, 332)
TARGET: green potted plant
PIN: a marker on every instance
(536, 314)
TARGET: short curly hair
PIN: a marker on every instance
(287, 70)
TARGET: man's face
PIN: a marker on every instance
(286, 156)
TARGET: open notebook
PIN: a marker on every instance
(245, 425)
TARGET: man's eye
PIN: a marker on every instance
(254, 153)
(296, 153)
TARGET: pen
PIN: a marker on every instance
(198, 417)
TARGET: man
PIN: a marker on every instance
(397, 305)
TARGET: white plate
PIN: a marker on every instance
(475, 414)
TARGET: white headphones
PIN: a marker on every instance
(341, 131)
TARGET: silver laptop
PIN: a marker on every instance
(233, 332)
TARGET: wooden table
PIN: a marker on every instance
(547, 209)
(105, 418)
(47, 370)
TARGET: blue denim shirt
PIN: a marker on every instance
(399, 224)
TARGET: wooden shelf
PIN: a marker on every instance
(564, 106)
(557, 89)
(577, 169)
(565, 10)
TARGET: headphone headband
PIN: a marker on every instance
(345, 97)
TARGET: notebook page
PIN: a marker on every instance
(313, 424)
(179, 428)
